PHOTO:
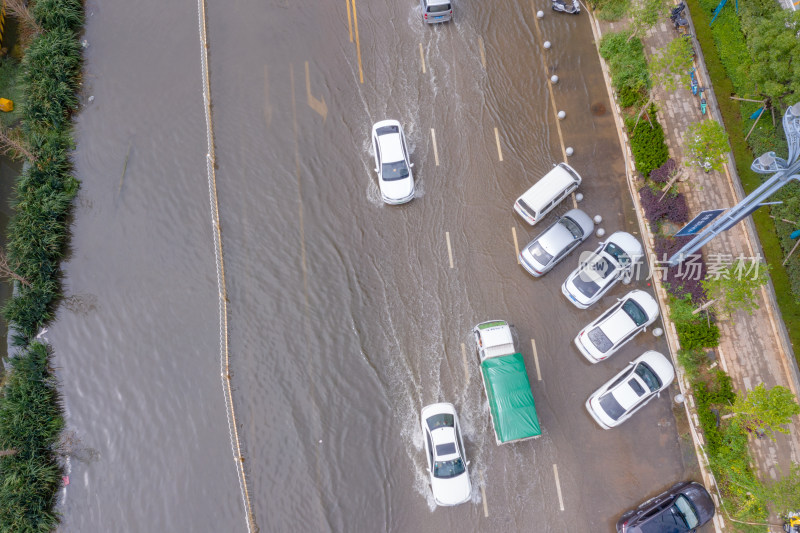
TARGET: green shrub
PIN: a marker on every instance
(627, 66)
(698, 334)
(30, 423)
(691, 361)
(649, 148)
(59, 14)
(611, 9)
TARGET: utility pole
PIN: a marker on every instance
(783, 170)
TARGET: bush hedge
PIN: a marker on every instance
(628, 67)
(672, 207)
(31, 418)
(647, 142)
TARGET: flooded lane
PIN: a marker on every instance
(345, 315)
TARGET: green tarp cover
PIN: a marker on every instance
(510, 398)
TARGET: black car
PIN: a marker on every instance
(683, 508)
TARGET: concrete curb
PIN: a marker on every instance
(669, 327)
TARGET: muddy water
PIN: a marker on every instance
(346, 316)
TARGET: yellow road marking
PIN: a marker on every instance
(558, 487)
(536, 360)
(497, 140)
(483, 496)
(422, 57)
(449, 248)
(483, 53)
(549, 84)
(464, 357)
(516, 244)
(317, 105)
(435, 150)
(349, 22)
(358, 43)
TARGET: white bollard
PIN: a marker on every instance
(540, 14)
(679, 398)
(547, 45)
(598, 219)
(579, 197)
(657, 332)
(600, 232)
(554, 78)
(569, 150)
(562, 115)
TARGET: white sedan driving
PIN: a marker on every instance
(444, 451)
(642, 380)
(613, 260)
(613, 329)
(395, 179)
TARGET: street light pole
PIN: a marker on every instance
(783, 172)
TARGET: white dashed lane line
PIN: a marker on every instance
(464, 357)
(483, 52)
(449, 248)
(516, 243)
(435, 149)
(497, 140)
(536, 360)
(483, 495)
(558, 487)
(422, 57)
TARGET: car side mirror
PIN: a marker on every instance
(658, 394)
(411, 164)
(468, 462)
(376, 170)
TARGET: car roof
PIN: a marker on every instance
(645, 301)
(543, 191)
(617, 325)
(555, 238)
(627, 242)
(391, 144)
(659, 364)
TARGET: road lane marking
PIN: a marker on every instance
(574, 201)
(549, 83)
(317, 105)
(358, 43)
(536, 360)
(349, 21)
(449, 248)
(558, 487)
(435, 150)
(497, 140)
(516, 244)
(483, 495)
(422, 58)
(464, 357)
(483, 53)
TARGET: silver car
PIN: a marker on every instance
(435, 11)
(556, 242)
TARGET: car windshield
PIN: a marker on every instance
(617, 253)
(538, 253)
(572, 226)
(587, 287)
(611, 406)
(634, 310)
(442, 420)
(439, 8)
(448, 469)
(599, 339)
(648, 376)
(685, 510)
(394, 171)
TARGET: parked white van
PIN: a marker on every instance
(547, 193)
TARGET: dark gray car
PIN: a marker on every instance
(681, 509)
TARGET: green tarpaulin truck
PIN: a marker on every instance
(505, 379)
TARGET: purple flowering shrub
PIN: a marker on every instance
(672, 207)
(684, 278)
(663, 173)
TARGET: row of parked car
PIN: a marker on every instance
(686, 505)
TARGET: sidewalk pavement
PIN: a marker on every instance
(753, 349)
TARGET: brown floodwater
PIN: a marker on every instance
(345, 316)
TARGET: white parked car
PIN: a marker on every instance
(391, 162)
(444, 450)
(613, 260)
(642, 380)
(623, 321)
(556, 242)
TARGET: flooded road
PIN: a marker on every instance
(345, 316)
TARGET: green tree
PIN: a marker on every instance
(667, 66)
(644, 15)
(765, 410)
(707, 145)
(735, 287)
(774, 43)
(784, 494)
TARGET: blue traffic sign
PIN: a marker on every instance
(699, 222)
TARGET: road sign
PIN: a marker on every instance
(699, 222)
